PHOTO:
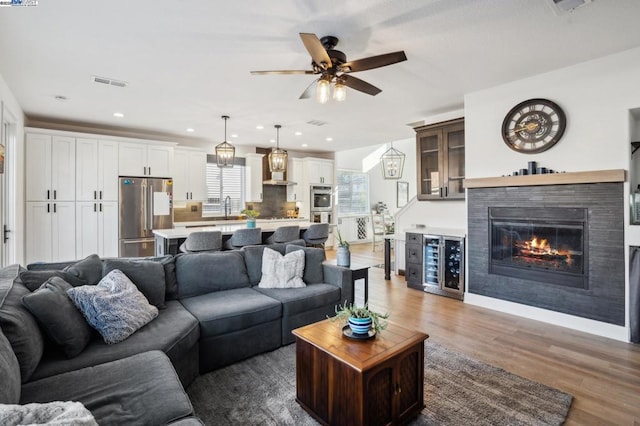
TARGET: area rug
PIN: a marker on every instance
(458, 391)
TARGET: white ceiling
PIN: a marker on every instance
(188, 62)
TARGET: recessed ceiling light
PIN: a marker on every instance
(329, 139)
(298, 133)
(259, 127)
(234, 135)
(304, 145)
(190, 130)
(272, 140)
(118, 114)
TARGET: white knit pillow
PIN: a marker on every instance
(280, 271)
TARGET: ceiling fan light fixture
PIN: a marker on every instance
(392, 163)
(340, 91)
(278, 157)
(225, 152)
(323, 90)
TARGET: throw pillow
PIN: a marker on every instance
(114, 306)
(147, 275)
(34, 279)
(280, 271)
(58, 316)
(88, 269)
(50, 413)
(17, 323)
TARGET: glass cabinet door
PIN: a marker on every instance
(430, 151)
(454, 137)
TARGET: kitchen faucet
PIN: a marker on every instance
(227, 207)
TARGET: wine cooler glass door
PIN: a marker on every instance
(453, 265)
(431, 260)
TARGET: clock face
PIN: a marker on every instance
(534, 125)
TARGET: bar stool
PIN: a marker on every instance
(244, 237)
(316, 235)
(202, 241)
(284, 234)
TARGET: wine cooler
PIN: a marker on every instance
(444, 265)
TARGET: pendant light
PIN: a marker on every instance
(323, 90)
(278, 157)
(340, 91)
(225, 152)
(392, 163)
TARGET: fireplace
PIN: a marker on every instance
(544, 244)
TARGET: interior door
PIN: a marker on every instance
(7, 189)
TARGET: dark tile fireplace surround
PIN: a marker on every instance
(557, 247)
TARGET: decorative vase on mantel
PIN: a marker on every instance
(343, 257)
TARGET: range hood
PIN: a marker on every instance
(277, 178)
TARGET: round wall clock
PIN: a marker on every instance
(534, 125)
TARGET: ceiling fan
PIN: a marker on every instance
(332, 65)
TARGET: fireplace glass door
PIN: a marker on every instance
(549, 249)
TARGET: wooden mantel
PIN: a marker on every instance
(595, 176)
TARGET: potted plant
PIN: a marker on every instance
(343, 257)
(360, 319)
(251, 217)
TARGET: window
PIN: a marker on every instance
(353, 193)
(223, 183)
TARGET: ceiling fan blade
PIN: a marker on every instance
(360, 85)
(308, 92)
(316, 50)
(374, 62)
(282, 72)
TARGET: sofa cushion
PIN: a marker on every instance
(50, 413)
(139, 390)
(296, 300)
(170, 280)
(253, 259)
(10, 373)
(313, 258)
(280, 271)
(88, 269)
(61, 321)
(147, 275)
(205, 272)
(175, 331)
(226, 311)
(34, 279)
(114, 306)
(18, 324)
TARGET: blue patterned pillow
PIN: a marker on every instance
(114, 306)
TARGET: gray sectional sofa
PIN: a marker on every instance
(212, 314)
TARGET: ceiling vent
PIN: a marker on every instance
(317, 123)
(564, 6)
(109, 81)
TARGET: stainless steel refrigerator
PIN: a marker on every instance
(145, 204)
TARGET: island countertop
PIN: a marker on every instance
(266, 226)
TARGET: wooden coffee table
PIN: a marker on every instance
(340, 381)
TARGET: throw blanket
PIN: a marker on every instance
(58, 413)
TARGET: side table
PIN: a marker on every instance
(359, 271)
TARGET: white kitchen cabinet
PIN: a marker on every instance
(96, 170)
(253, 181)
(50, 231)
(50, 168)
(97, 228)
(318, 171)
(189, 175)
(295, 174)
(140, 159)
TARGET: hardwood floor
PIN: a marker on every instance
(603, 375)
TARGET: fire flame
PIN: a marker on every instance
(541, 247)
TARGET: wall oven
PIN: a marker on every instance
(321, 199)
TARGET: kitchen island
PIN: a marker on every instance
(167, 241)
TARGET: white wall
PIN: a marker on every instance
(9, 108)
(597, 97)
(381, 189)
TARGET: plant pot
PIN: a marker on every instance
(343, 257)
(251, 222)
(360, 325)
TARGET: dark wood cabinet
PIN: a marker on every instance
(440, 160)
(413, 260)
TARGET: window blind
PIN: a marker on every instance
(223, 183)
(353, 192)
